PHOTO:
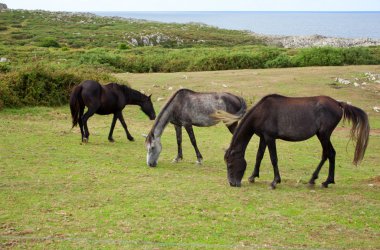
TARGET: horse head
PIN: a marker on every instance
(147, 107)
(153, 147)
(236, 166)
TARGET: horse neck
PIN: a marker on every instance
(161, 121)
(133, 97)
(241, 138)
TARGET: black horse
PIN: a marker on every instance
(105, 100)
(294, 119)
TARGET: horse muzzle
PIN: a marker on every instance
(235, 183)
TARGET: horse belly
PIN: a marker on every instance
(296, 130)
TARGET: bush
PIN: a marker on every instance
(43, 85)
(49, 42)
(123, 46)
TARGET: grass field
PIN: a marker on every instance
(58, 193)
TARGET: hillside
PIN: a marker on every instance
(43, 54)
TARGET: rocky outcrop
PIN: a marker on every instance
(317, 41)
(3, 6)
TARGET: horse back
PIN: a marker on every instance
(296, 118)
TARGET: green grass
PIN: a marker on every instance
(57, 193)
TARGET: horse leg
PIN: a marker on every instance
(121, 118)
(232, 127)
(331, 156)
(90, 112)
(259, 157)
(325, 146)
(80, 122)
(114, 119)
(178, 131)
(273, 157)
(190, 131)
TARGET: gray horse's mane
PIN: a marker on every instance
(150, 135)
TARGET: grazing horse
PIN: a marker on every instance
(105, 100)
(293, 119)
(187, 108)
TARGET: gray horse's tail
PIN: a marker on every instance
(75, 104)
(228, 118)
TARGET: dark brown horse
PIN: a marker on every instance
(105, 100)
(294, 119)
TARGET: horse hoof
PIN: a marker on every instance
(251, 179)
(131, 139)
(325, 185)
(199, 162)
(176, 160)
(111, 140)
(85, 140)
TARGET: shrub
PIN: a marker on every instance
(123, 46)
(43, 85)
(49, 42)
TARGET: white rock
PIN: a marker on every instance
(376, 109)
(160, 99)
(356, 84)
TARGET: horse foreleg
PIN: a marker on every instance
(273, 157)
(259, 157)
(178, 131)
(114, 119)
(331, 156)
(190, 131)
(121, 118)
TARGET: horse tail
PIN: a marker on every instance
(359, 131)
(75, 104)
(228, 118)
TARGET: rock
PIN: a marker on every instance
(342, 81)
(3, 59)
(3, 6)
(356, 84)
(160, 99)
(316, 41)
(376, 109)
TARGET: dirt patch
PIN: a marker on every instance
(375, 181)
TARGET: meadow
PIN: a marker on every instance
(58, 193)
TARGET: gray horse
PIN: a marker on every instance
(187, 108)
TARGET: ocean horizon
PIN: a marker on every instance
(361, 24)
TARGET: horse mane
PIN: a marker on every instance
(163, 109)
(242, 121)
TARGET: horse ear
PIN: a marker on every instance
(150, 96)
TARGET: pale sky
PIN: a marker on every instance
(195, 5)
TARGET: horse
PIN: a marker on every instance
(105, 100)
(187, 108)
(293, 119)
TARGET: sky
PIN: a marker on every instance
(195, 5)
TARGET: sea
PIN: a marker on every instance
(331, 24)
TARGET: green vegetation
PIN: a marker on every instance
(62, 48)
(56, 193)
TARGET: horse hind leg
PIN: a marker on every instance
(90, 112)
(331, 176)
(190, 131)
(80, 121)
